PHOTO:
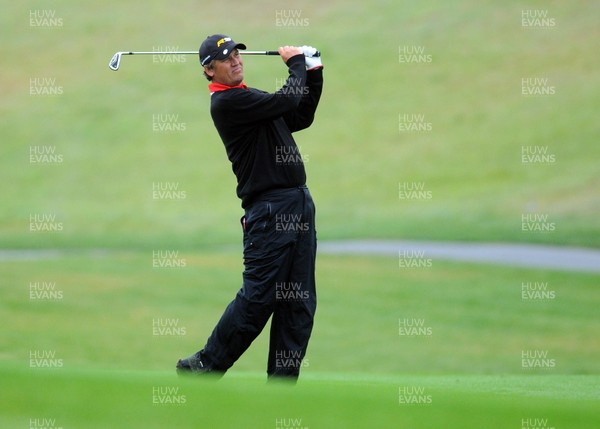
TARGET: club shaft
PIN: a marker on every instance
(115, 61)
(193, 53)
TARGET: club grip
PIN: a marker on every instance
(317, 54)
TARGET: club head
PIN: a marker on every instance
(115, 61)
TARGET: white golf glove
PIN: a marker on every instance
(312, 62)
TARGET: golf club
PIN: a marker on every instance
(115, 61)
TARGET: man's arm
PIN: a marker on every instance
(303, 116)
(243, 107)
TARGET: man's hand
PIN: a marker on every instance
(288, 52)
(312, 62)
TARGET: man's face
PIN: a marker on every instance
(229, 71)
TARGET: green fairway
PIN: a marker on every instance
(109, 309)
(156, 400)
(98, 332)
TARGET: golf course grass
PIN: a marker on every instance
(120, 243)
(101, 349)
(99, 399)
(121, 133)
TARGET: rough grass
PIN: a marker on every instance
(470, 92)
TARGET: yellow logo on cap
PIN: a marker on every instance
(223, 40)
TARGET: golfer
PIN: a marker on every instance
(278, 226)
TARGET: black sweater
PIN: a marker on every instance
(256, 128)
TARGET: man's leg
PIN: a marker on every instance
(296, 303)
(267, 257)
(245, 317)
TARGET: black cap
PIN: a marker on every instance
(217, 47)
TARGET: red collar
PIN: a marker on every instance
(216, 87)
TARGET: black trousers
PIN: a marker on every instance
(279, 280)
